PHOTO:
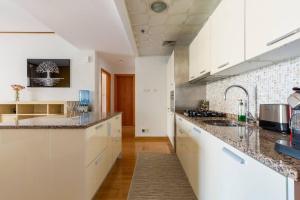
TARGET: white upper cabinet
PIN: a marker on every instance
(199, 53)
(270, 24)
(227, 34)
(170, 72)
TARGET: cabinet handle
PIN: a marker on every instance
(202, 71)
(233, 155)
(197, 130)
(117, 117)
(98, 160)
(97, 127)
(284, 37)
(224, 65)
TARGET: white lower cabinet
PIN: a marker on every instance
(217, 171)
(241, 177)
(103, 146)
(57, 164)
(116, 136)
(95, 174)
(96, 141)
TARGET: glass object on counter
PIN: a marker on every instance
(84, 97)
(241, 111)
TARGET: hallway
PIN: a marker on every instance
(117, 183)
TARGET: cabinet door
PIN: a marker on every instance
(245, 178)
(170, 128)
(199, 53)
(95, 174)
(227, 35)
(172, 71)
(183, 129)
(270, 24)
(116, 137)
(194, 58)
(96, 141)
(196, 156)
(178, 138)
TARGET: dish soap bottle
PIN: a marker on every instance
(241, 111)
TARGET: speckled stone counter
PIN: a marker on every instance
(256, 143)
(80, 121)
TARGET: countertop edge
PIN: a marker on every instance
(276, 165)
(8, 127)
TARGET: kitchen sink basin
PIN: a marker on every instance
(223, 122)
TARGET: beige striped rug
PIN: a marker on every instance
(159, 177)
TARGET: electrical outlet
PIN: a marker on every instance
(144, 130)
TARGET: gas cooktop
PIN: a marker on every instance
(197, 113)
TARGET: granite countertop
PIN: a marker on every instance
(79, 121)
(256, 142)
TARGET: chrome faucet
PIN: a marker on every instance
(249, 116)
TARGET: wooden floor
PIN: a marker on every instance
(117, 183)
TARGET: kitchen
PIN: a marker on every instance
(246, 49)
(219, 99)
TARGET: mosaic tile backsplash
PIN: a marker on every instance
(274, 84)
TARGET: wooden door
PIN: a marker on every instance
(105, 91)
(124, 98)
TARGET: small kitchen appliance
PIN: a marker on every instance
(274, 117)
(292, 147)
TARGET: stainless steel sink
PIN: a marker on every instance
(223, 122)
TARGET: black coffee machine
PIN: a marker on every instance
(292, 147)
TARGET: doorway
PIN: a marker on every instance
(105, 91)
(125, 98)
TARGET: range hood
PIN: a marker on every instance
(181, 65)
(202, 77)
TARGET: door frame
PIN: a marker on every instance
(108, 90)
(115, 92)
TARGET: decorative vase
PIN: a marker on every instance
(17, 97)
(17, 88)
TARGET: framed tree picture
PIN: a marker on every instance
(48, 72)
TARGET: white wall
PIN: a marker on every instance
(151, 95)
(124, 70)
(16, 48)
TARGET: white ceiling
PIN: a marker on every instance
(180, 22)
(117, 61)
(87, 24)
(13, 18)
(104, 25)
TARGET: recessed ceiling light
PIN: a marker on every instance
(158, 6)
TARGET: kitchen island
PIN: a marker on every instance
(235, 163)
(58, 157)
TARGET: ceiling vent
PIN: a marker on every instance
(169, 43)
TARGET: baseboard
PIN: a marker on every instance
(149, 139)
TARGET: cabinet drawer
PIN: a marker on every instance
(117, 125)
(95, 174)
(96, 141)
